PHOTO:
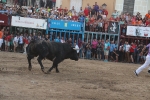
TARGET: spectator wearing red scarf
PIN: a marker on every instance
(86, 11)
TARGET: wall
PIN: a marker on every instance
(110, 5)
(65, 3)
(119, 5)
(141, 6)
(149, 5)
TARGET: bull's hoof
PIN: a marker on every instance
(48, 72)
(29, 68)
(57, 71)
(43, 70)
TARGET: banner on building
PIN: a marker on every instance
(138, 31)
(29, 22)
(113, 27)
(4, 20)
(67, 25)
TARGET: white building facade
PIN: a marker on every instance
(141, 6)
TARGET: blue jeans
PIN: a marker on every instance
(88, 54)
(138, 58)
(80, 53)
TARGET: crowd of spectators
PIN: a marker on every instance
(95, 18)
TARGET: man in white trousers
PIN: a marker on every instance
(147, 62)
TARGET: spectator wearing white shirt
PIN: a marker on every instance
(76, 47)
(62, 40)
(15, 42)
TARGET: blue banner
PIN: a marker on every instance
(62, 24)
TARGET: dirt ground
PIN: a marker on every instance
(82, 80)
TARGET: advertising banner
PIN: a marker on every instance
(62, 24)
(29, 22)
(138, 31)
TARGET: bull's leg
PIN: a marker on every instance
(29, 62)
(57, 71)
(40, 62)
(56, 61)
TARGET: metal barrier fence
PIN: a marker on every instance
(62, 28)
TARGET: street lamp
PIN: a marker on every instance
(104, 6)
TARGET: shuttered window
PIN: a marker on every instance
(128, 6)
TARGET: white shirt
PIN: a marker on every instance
(21, 40)
(127, 47)
(16, 39)
(77, 47)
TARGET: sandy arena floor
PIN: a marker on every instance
(82, 80)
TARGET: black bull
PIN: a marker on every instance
(53, 51)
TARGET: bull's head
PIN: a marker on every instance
(74, 55)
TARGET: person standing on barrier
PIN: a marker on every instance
(96, 8)
(1, 37)
(147, 62)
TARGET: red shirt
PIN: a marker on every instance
(147, 23)
(59, 9)
(65, 10)
(75, 17)
(8, 38)
(86, 12)
(25, 41)
(132, 48)
(105, 12)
